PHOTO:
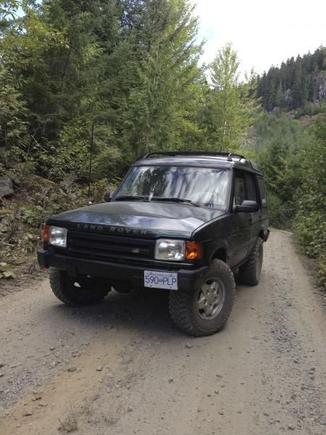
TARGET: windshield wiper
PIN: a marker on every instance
(131, 198)
(181, 200)
(154, 198)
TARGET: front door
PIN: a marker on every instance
(241, 241)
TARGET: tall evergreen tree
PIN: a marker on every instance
(295, 83)
(120, 75)
(229, 109)
(163, 101)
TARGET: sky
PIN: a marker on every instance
(264, 33)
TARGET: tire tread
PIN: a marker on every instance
(63, 292)
(180, 303)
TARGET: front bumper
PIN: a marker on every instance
(115, 272)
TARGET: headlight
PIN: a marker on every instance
(177, 250)
(57, 236)
(167, 249)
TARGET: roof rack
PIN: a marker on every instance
(229, 156)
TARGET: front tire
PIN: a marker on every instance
(206, 308)
(76, 291)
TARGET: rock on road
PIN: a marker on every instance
(121, 368)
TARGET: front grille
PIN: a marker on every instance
(107, 247)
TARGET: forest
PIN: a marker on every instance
(89, 86)
(298, 84)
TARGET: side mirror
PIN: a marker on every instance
(107, 197)
(247, 206)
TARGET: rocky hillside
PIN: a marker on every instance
(297, 84)
(25, 202)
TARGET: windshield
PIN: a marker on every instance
(207, 187)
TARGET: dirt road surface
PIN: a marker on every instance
(121, 367)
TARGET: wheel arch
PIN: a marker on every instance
(264, 234)
(220, 253)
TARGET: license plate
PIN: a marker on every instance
(163, 280)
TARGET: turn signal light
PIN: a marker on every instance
(193, 251)
(45, 233)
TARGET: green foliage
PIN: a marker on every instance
(279, 214)
(293, 159)
(105, 79)
(12, 111)
(322, 271)
(278, 141)
(296, 83)
(35, 200)
(94, 84)
(229, 109)
(310, 221)
(163, 98)
(123, 73)
(107, 162)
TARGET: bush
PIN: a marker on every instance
(280, 213)
(310, 229)
(322, 271)
(310, 220)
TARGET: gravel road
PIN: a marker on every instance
(121, 368)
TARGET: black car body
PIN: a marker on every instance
(116, 242)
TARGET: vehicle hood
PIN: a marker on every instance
(145, 219)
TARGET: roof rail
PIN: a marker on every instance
(229, 156)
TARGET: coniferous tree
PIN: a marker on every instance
(295, 83)
(229, 109)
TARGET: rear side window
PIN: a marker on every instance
(262, 190)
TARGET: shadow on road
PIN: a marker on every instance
(145, 312)
(135, 312)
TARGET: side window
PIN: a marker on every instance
(262, 189)
(239, 189)
(244, 188)
(251, 187)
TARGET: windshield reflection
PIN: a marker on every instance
(208, 187)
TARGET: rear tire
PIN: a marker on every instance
(249, 273)
(76, 291)
(206, 308)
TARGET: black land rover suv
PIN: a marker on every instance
(182, 222)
